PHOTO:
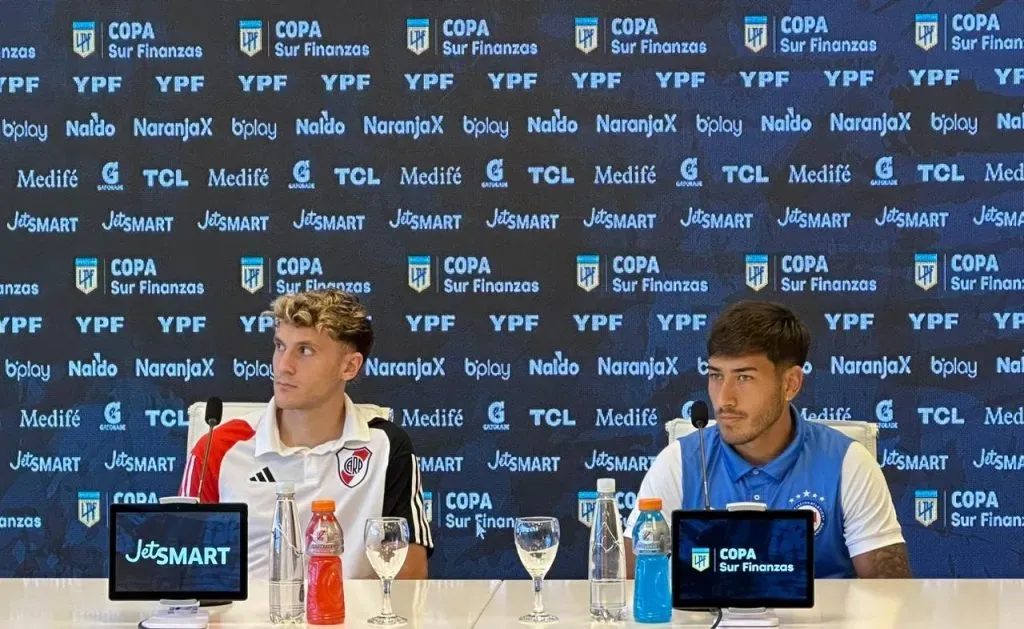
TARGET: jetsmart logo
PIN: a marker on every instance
(179, 555)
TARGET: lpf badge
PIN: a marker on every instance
(586, 34)
(417, 35)
(585, 507)
(926, 270)
(700, 559)
(755, 32)
(250, 36)
(757, 271)
(83, 38)
(588, 272)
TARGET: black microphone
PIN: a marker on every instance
(699, 419)
(214, 411)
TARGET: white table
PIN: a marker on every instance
(918, 604)
(83, 603)
(839, 604)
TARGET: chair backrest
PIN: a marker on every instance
(197, 416)
(864, 432)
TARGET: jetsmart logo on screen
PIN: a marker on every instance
(179, 556)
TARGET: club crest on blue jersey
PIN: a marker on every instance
(811, 501)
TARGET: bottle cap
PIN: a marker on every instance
(285, 487)
(649, 504)
(605, 485)
(323, 506)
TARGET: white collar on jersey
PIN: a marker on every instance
(356, 429)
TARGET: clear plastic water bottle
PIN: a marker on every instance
(652, 545)
(607, 573)
(287, 568)
(325, 543)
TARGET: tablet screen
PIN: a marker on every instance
(743, 559)
(178, 551)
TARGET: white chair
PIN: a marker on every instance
(864, 432)
(197, 418)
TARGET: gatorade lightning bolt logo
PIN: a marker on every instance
(352, 468)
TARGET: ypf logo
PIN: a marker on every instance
(352, 468)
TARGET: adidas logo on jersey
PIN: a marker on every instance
(262, 476)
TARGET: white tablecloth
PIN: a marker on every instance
(82, 603)
(853, 604)
(839, 604)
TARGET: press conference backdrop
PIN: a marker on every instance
(544, 206)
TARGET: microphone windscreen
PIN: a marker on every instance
(214, 411)
(699, 414)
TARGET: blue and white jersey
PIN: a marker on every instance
(822, 470)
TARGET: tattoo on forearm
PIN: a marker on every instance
(890, 562)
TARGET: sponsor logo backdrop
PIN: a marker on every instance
(544, 208)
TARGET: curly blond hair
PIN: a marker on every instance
(330, 310)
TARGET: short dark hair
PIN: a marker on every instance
(760, 327)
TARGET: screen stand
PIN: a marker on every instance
(748, 617)
(177, 615)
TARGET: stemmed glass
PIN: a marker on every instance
(387, 543)
(537, 545)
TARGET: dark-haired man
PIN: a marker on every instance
(760, 450)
